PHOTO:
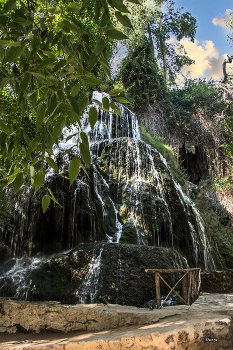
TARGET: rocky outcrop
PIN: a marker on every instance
(100, 272)
(217, 281)
(22, 316)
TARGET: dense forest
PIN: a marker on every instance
(55, 53)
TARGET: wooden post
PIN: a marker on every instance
(185, 287)
(157, 287)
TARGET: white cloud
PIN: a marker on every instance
(222, 20)
(208, 63)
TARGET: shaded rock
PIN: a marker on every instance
(121, 274)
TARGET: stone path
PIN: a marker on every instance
(207, 324)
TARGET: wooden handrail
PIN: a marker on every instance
(170, 271)
(191, 281)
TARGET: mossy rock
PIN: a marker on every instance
(129, 234)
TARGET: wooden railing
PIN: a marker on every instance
(191, 283)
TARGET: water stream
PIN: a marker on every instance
(128, 182)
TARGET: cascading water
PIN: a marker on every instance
(129, 196)
(89, 287)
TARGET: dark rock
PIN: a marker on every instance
(121, 274)
(217, 281)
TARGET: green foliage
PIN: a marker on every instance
(140, 75)
(195, 97)
(159, 21)
(177, 171)
(52, 53)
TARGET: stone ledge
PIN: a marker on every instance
(38, 317)
(172, 328)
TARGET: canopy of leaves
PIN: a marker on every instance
(52, 53)
(140, 75)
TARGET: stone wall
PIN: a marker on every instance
(198, 327)
(217, 281)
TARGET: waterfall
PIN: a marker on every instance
(89, 287)
(200, 241)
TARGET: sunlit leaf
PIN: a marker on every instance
(74, 169)
(93, 116)
(45, 202)
(58, 127)
(39, 179)
(100, 45)
(121, 100)
(85, 153)
(40, 114)
(123, 19)
(52, 164)
(116, 34)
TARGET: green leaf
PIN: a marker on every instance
(75, 90)
(86, 3)
(53, 197)
(45, 202)
(74, 104)
(39, 179)
(54, 10)
(115, 108)
(24, 83)
(116, 34)
(85, 153)
(118, 4)
(58, 127)
(72, 27)
(13, 53)
(121, 100)
(91, 80)
(9, 5)
(84, 138)
(12, 177)
(97, 9)
(33, 144)
(93, 116)
(52, 164)
(93, 60)
(135, 2)
(83, 104)
(23, 21)
(40, 114)
(19, 180)
(59, 64)
(74, 169)
(105, 102)
(74, 6)
(46, 62)
(52, 80)
(4, 128)
(123, 19)
(9, 43)
(103, 87)
(104, 4)
(37, 75)
(115, 92)
(105, 19)
(100, 45)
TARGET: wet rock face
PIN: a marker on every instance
(78, 218)
(129, 196)
(117, 275)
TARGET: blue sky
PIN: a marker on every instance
(211, 44)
